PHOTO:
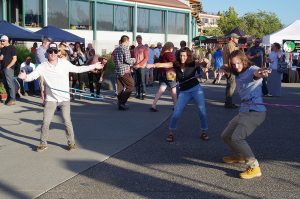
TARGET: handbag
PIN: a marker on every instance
(282, 66)
(170, 75)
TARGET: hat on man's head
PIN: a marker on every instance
(234, 35)
(138, 36)
(152, 46)
(4, 38)
(52, 46)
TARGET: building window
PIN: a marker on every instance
(123, 18)
(33, 13)
(58, 13)
(80, 15)
(114, 17)
(143, 20)
(1, 11)
(177, 23)
(105, 16)
(156, 21)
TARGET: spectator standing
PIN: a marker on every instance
(149, 75)
(274, 79)
(56, 75)
(218, 63)
(40, 57)
(231, 46)
(141, 57)
(125, 82)
(256, 54)
(9, 58)
(33, 48)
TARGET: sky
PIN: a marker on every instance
(286, 10)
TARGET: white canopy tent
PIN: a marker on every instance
(291, 32)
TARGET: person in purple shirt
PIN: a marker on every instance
(252, 113)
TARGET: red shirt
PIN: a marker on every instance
(165, 58)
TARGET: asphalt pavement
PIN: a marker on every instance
(125, 155)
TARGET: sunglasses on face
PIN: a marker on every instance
(53, 51)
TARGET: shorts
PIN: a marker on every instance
(164, 82)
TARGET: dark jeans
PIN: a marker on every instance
(141, 80)
(94, 81)
(9, 83)
(125, 85)
(264, 86)
(230, 87)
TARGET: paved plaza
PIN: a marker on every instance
(125, 155)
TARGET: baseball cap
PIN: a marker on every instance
(4, 38)
(52, 46)
(234, 35)
(138, 36)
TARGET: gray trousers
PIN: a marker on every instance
(238, 129)
(230, 87)
(49, 111)
(9, 83)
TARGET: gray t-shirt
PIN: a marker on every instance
(258, 61)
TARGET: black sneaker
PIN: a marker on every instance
(123, 107)
(230, 106)
(143, 97)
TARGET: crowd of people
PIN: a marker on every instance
(137, 67)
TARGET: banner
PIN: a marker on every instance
(291, 46)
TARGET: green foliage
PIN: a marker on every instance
(230, 20)
(110, 67)
(257, 24)
(261, 23)
(2, 88)
(212, 31)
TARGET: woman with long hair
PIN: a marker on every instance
(251, 114)
(186, 68)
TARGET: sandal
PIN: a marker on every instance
(170, 138)
(204, 137)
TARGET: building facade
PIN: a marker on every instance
(103, 22)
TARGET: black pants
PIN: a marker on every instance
(94, 81)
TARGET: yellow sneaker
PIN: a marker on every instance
(71, 147)
(251, 173)
(233, 159)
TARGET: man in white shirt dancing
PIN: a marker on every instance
(56, 74)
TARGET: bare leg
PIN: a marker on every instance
(159, 93)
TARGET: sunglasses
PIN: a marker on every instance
(53, 51)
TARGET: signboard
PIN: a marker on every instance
(291, 46)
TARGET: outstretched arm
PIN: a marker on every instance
(261, 73)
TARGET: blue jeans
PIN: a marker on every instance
(184, 97)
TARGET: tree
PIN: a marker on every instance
(212, 31)
(261, 23)
(230, 20)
